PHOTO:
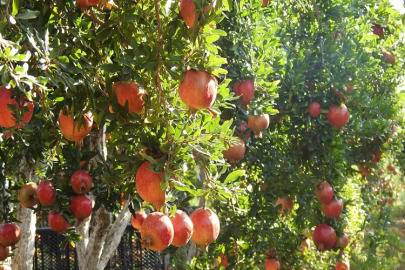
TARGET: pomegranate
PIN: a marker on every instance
(258, 123)
(272, 264)
(131, 93)
(390, 201)
(310, 85)
(315, 109)
(377, 30)
(332, 209)
(235, 152)
(81, 182)
(61, 176)
(27, 195)
(88, 2)
(324, 192)
(187, 12)
(70, 130)
(4, 252)
(324, 237)
(342, 241)
(390, 167)
(265, 3)
(183, 228)
(342, 266)
(138, 220)
(57, 222)
(287, 205)
(157, 231)
(246, 89)
(349, 88)
(305, 244)
(363, 170)
(395, 172)
(243, 127)
(10, 234)
(81, 207)
(390, 59)
(5, 267)
(223, 260)
(338, 117)
(198, 90)
(7, 120)
(148, 186)
(46, 193)
(206, 227)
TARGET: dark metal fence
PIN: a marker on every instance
(49, 255)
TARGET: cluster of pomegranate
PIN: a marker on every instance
(10, 235)
(81, 206)
(337, 117)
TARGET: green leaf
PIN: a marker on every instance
(15, 7)
(28, 15)
(234, 175)
(110, 67)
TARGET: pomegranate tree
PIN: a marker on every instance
(81, 207)
(7, 119)
(70, 130)
(183, 228)
(131, 93)
(332, 209)
(287, 205)
(246, 89)
(81, 182)
(324, 237)
(206, 227)
(338, 117)
(10, 234)
(46, 193)
(157, 231)
(57, 222)
(315, 109)
(235, 152)
(148, 185)
(324, 192)
(27, 195)
(138, 220)
(198, 90)
(258, 123)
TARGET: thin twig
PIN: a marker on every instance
(318, 16)
(95, 19)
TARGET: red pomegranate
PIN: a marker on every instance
(390, 167)
(315, 109)
(131, 93)
(57, 222)
(349, 88)
(342, 266)
(88, 2)
(272, 264)
(342, 241)
(223, 260)
(10, 234)
(265, 3)
(81, 182)
(46, 193)
(390, 201)
(377, 30)
(5, 267)
(332, 209)
(338, 117)
(4, 252)
(324, 237)
(7, 120)
(148, 186)
(27, 195)
(138, 220)
(206, 227)
(70, 130)
(287, 205)
(198, 90)
(235, 152)
(258, 123)
(81, 207)
(157, 231)
(246, 89)
(305, 244)
(183, 228)
(187, 12)
(363, 170)
(61, 175)
(324, 192)
(390, 59)
(243, 127)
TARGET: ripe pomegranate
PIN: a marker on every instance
(46, 193)
(305, 244)
(315, 109)
(342, 241)
(338, 117)
(265, 3)
(138, 220)
(131, 93)
(70, 129)
(349, 88)
(390, 59)
(395, 172)
(148, 186)
(5, 267)
(183, 228)
(223, 260)
(246, 89)
(61, 176)
(157, 231)
(235, 152)
(324, 192)
(57, 222)
(377, 30)
(198, 90)
(332, 209)
(342, 266)
(206, 227)
(10, 234)
(390, 201)
(81, 207)
(324, 237)
(272, 264)
(243, 127)
(363, 170)
(81, 182)
(7, 120)
(287, 205)
(27, 195)
(4, 252)
(88, 2)
(258, 123)
(393, 127)
(390, 167)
